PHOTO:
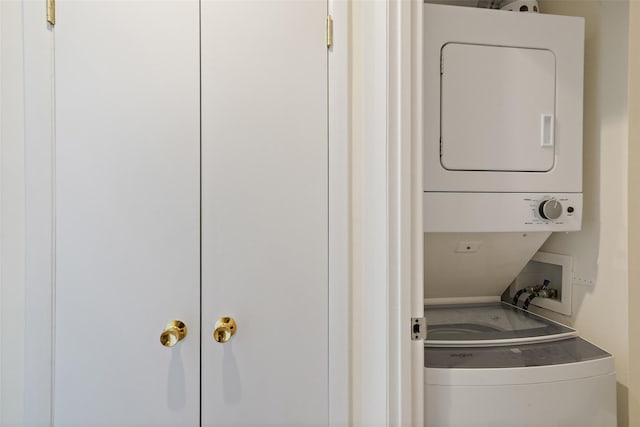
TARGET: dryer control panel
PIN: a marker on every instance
(501, 212)
(549, 209)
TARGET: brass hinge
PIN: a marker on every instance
(51, 12)
(418, 329)
(329, 31)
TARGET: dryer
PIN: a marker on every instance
(503, 120)
(502, 151)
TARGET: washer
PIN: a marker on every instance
(497, 365)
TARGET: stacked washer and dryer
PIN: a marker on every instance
(502, 171)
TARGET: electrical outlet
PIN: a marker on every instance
(581, 281)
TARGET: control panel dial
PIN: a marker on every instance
(550, 209)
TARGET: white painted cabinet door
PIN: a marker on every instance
(265, 212)
(176, 201)
(127, 212)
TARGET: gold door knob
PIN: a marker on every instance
(224, 329)
(174, 332)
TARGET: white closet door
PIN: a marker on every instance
(127, 212)
(264, 212)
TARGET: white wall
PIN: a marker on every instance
(600, 250)
(634, 212)
(12, 210)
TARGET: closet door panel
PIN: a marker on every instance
(264, 218)
(127, 212)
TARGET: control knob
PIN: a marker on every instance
(550, 209)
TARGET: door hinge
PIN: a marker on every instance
(329, 31)
(51, 12)
(418, 329)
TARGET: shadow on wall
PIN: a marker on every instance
(600, 250)
(584, 246)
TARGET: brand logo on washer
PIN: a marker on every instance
(461, 355)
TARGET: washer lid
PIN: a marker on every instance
(490, 324)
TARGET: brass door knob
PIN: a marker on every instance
(174, 332)
(224, 329)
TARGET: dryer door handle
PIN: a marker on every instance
(546, 130)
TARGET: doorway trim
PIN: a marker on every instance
(387, 365)
(12, 221)
(339, 215)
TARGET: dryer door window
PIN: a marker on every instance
(497, 108)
